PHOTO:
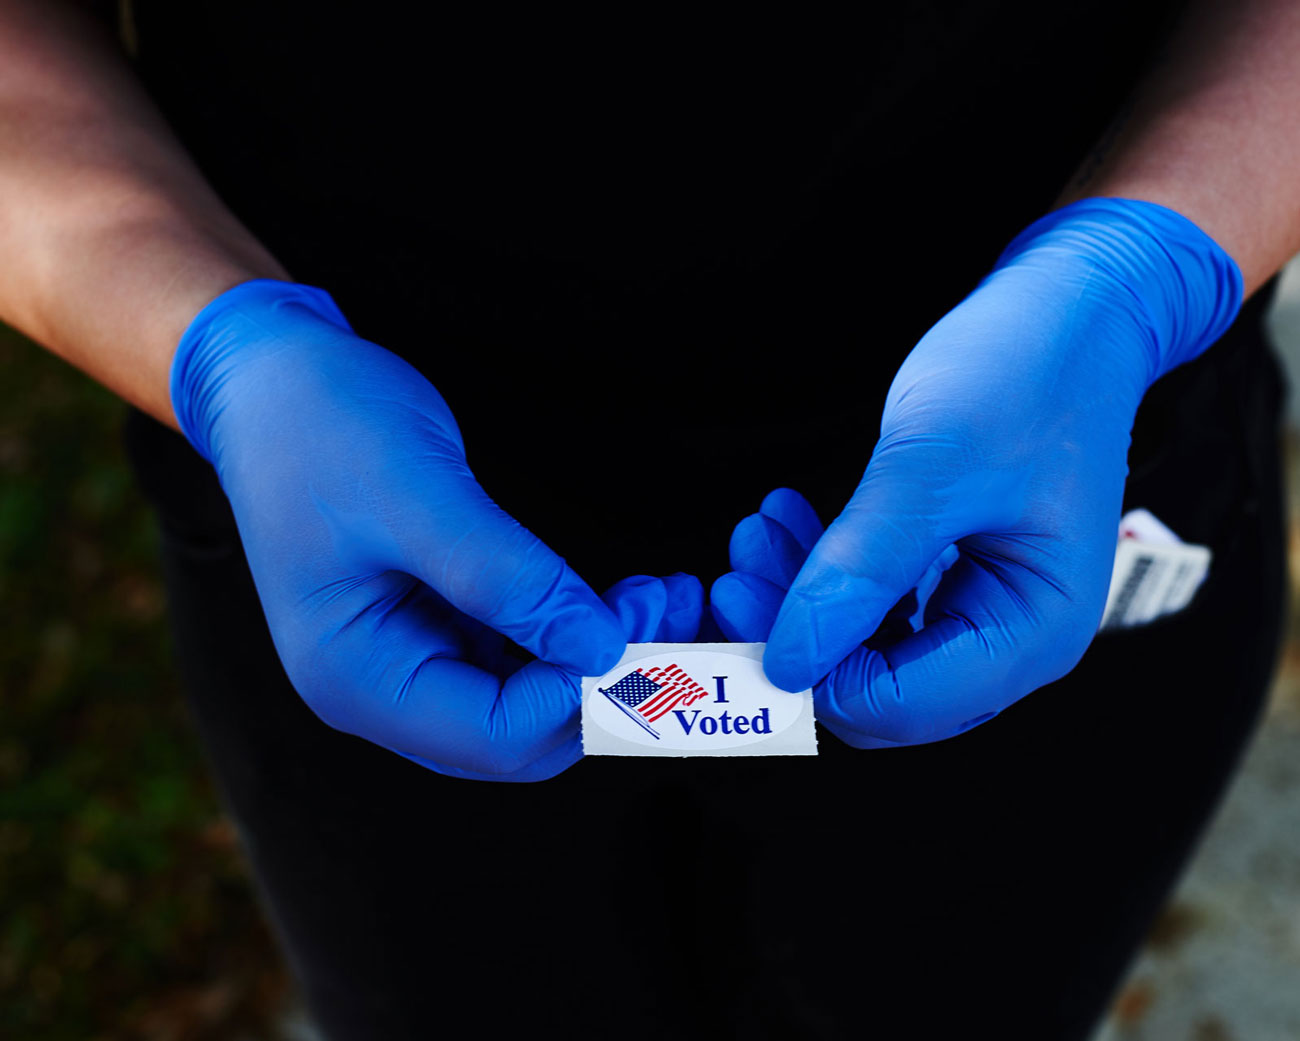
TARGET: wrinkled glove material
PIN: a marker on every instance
(391, 582)
(993, 494)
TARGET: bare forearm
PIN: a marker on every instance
(1213, 133)
(110, 241)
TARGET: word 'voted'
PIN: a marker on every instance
(694, 699)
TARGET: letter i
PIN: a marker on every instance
(722, 689)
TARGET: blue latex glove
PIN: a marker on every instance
(767, 550)
(387, 575)
(649, 609)
(1005, 433)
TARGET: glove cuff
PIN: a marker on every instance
(244, 314)
(1179, 283)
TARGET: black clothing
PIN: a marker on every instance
(750, 230)
(748, 226)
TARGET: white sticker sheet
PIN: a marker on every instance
(1155, 574)
(683, 699)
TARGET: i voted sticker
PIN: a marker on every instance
(679, 699)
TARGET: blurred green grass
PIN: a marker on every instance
(125, 910)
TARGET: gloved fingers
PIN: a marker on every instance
(985, 644)
(480, 645)
(910, 694)
(897, 622)
(664, 609)
(452, 713)
(374, 602)
(766, 551)
(790, 509)
(765, 547)
(368, 615)
(383, 658)
(684, 610)
(513, 735)
(745, 606)
(872, 555)
(638, 602)
(657, 609)
(491, 567)
(930, 582)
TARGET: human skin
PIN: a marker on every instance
(111, 241)
(1211, 133)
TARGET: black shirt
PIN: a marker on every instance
(645, 253)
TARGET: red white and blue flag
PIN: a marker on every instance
(646, 695)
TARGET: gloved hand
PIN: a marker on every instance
(649, 609)
(385, 571)
(1005, 433)
(767, 550)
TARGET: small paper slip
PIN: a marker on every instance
(679, 699)
(1155, 574)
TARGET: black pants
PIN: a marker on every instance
(1004, 877)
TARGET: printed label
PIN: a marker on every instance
(1155, 573)
(694, 699)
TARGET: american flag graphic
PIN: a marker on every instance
(646, 695)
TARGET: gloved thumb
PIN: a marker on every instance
(892, 532)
